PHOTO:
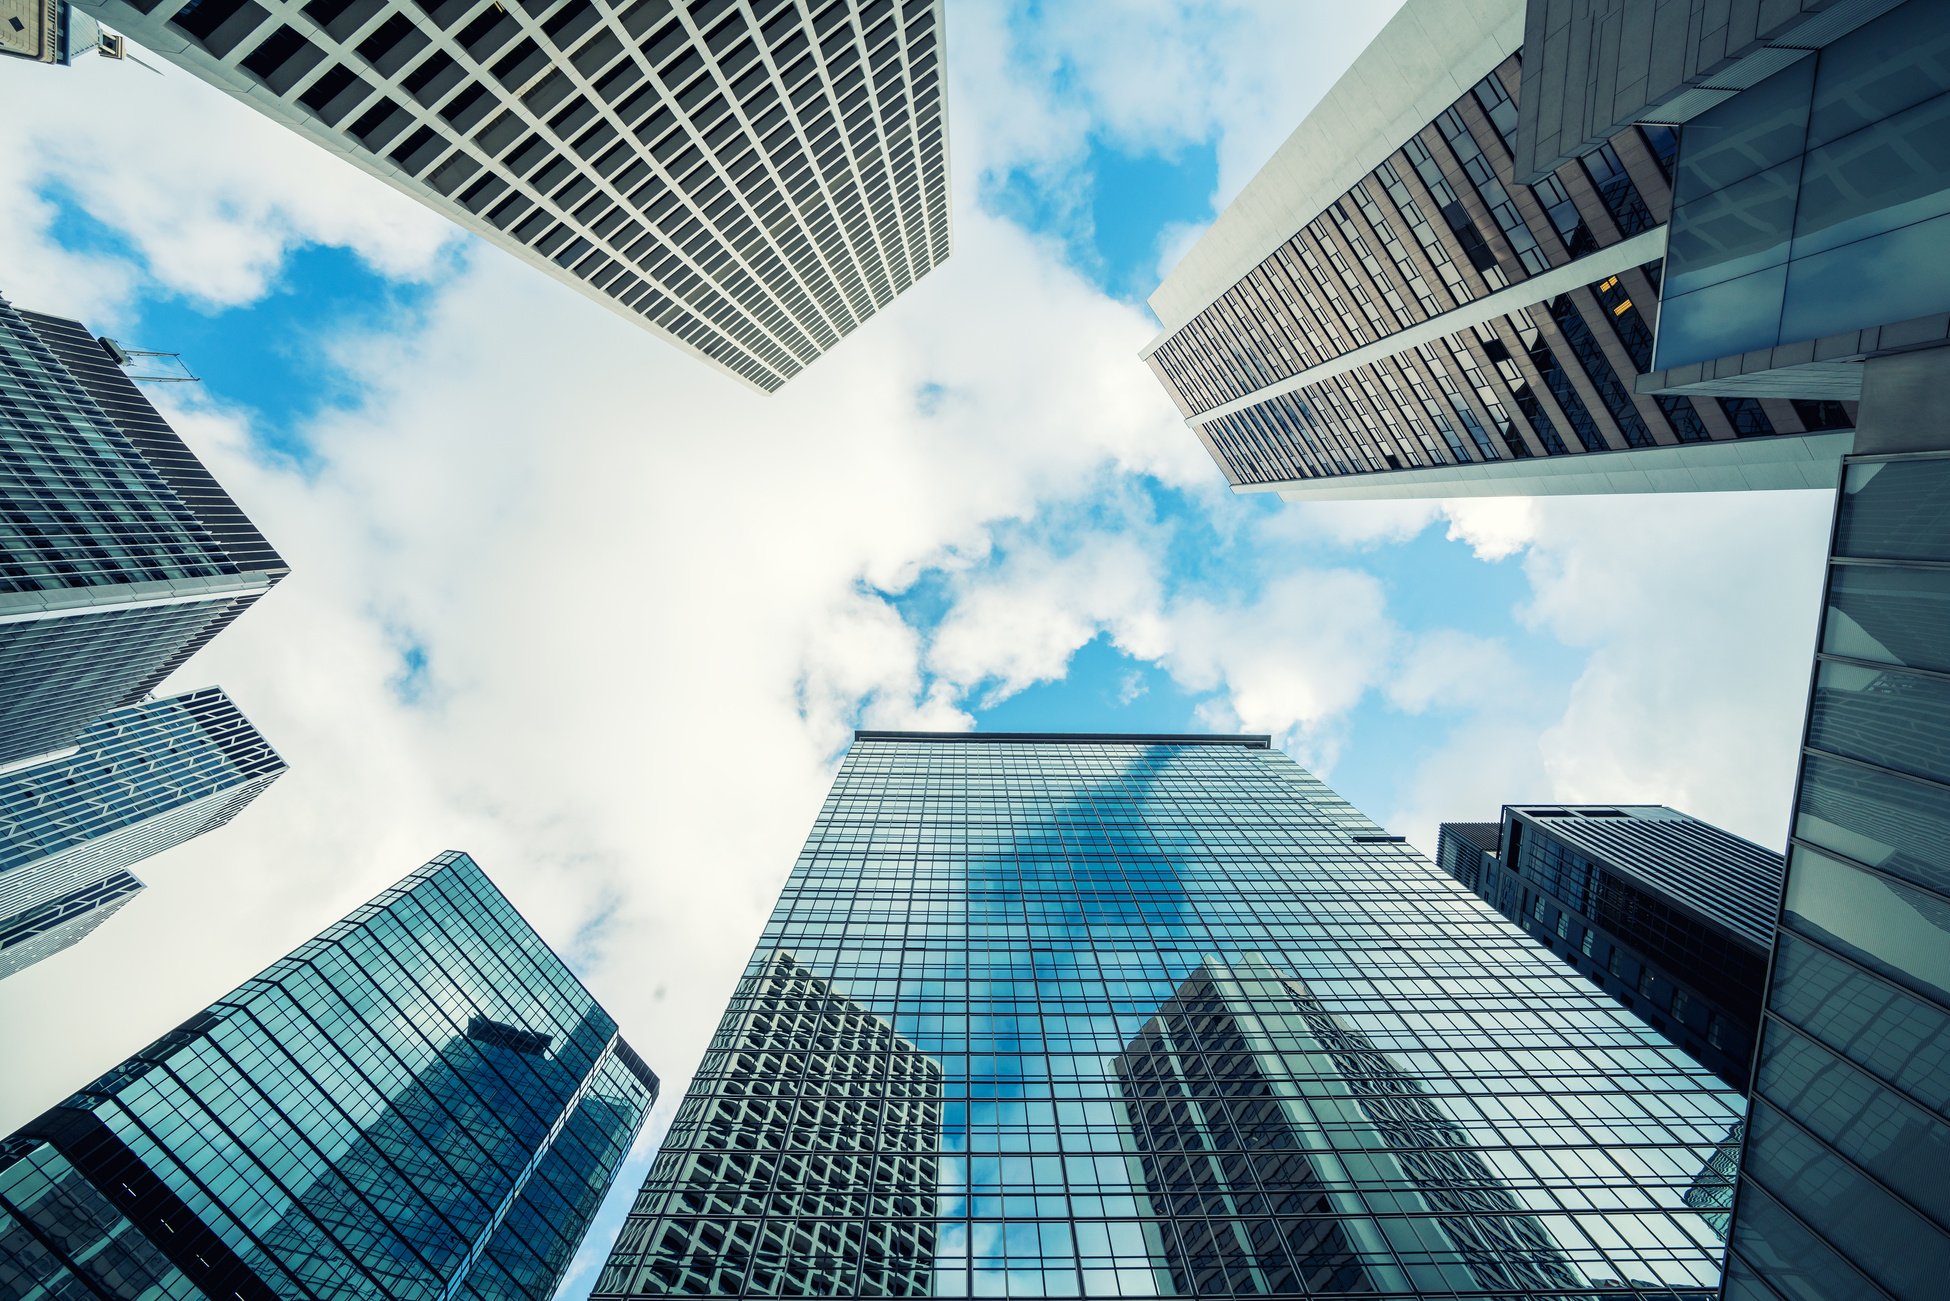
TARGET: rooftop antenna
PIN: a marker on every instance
(154, 367)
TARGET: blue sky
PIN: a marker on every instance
(567, 599)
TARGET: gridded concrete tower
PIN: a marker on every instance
(119, 555)
(806, 1152)
(142, 780)
(1196, 1027)
(1384, 311)
(420, 1102)
(749, 178)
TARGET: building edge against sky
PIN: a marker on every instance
(1194, 1023)
(1435, 329)
(421, 1101)
(747, 186)
(1668, 914)
(141, 780)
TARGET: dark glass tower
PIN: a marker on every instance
(119, 555)
(142, 780)
(420, 1103)
(1196, 1027)
(1671, 916)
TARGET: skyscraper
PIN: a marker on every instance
(142, 780)
(1811, 199)
(119, 555)
(1197, 1023)
(841, 1193)
(751, 179)
(420, 1102)
(1384, 311)
(1671, 916)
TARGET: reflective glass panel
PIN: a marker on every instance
(1902, 933)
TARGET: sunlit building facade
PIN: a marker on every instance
(120, 555)
(1200, 1027)
(141, 780)
(420, 1102)
(1385, 311)
(750, 180)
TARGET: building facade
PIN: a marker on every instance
(751, 179)
(1199, 1026)
(120, 556)
(420, 1102)
(141, 780)
(1671, 916)
(1841, 1190)
(1385, 311)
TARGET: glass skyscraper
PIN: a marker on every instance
(1195, 1027)
(141, 780)
(120, 556)
(421, 1103)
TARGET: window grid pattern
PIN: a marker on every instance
(420, 1103)
(119, 555)
(753, 179)
(1841, 1189)
(1404, 245)
(142, 780)
(1114, 951)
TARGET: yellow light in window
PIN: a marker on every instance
(1621, 309)
(1609, 283)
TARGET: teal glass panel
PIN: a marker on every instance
(1886, 1031)
(1883, 716)
(1895, 510)
(1901, 933)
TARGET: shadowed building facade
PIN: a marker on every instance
(120, 556)
(750, 179)
(420, 1102)
(1670, 915)
(142, 780)
(1385, 311)
(1195, 1025)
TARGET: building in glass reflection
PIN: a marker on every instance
(1387, 310)
(1670, 915)
(1214, 1075)
(420, 1102)
(141, 780)
(1198, 1024)
(805, 1159)
(119, 555)
(749, 181)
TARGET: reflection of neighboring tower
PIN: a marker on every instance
(472, 1109)
(806, 1150)
(1243, 1059)
(1712, 1188)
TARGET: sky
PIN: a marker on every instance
(572, 601)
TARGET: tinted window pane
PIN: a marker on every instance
(1731, 317)
(1874, 817)
(1890, 175)
(1898, 616)
(1736, 230)
(1747, 134)
(1892, 277)
(1902, 933)
(1880, 69)
(1906, 1148)
(1895, 510)
(1886, 1240)
(1884, 1030)
(1797, 1264)
(1888, 717)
